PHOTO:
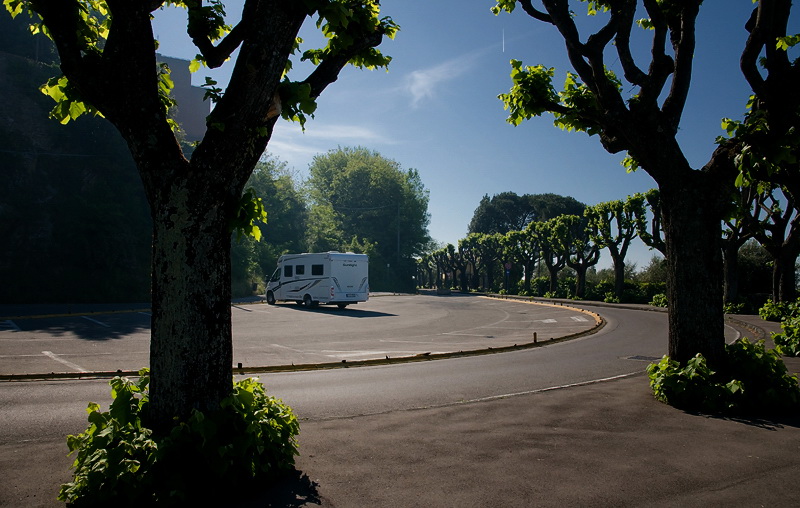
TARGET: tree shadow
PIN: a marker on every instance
(90, 327)
(773, 423)
(292, 490)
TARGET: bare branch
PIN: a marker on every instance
(625, 15)
(528, 7)
(682, 30)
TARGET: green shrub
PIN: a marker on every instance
(733, 308)
(754, 381)
(776, 311)
(659, 300)
(610, 297)
(251, 437)
(788, 342)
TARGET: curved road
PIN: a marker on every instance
(45, 409)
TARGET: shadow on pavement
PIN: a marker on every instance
(346, 312)
(295, 490)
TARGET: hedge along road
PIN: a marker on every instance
(386, 327)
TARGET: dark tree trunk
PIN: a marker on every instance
(619, 275)
(730, 267)
(191, 355)
(783, 276)
(580, 283)
(694, 260)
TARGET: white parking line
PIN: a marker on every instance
(68, 363)
(87, 318)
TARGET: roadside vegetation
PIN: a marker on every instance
(206, 460)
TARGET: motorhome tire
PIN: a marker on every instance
(270, 298)
(341, 305)
(308, 302)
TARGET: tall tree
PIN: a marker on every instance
(108, 60)
(737, 229)
(780, 235)
(613, 225)
(470, 251)
(491, 255)
(501, 213)
(552, 241)
(645, 123)
(373, 198)
(508, 211)
(582, 252)
(522, 249)
(284, 230)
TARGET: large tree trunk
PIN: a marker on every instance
(783, 276)
(694, 281)
(191, 356)
(730, 267)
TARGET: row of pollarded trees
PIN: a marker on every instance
(766, 213)
(564, 240)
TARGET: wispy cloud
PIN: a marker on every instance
(425, 83)
(298, 148)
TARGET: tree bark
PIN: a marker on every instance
(191, 354)
(730, 267)
(694, 282)
(783, 276)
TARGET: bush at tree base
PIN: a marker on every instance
(787, 342)
(250, 439)
(753, 381)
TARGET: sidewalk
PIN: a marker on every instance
(604, 444)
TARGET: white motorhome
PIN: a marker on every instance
(329, 278)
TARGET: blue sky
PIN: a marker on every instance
(437, 111)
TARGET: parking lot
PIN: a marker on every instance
(264, 335)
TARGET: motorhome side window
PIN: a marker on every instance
(287, 271)
(316, 269)
(276, 276)
(300, 269)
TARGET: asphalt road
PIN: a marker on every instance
(36, 409)
(264, 335)
(35, 416)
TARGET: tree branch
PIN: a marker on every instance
(528, 7)
(625, 21)
(199, 30)
(682, 29)
(328, 69)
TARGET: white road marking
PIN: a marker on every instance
(289, 348)
(578, 318)
(87, 318)
(546, 321)
(68, 363)
(551, 388)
